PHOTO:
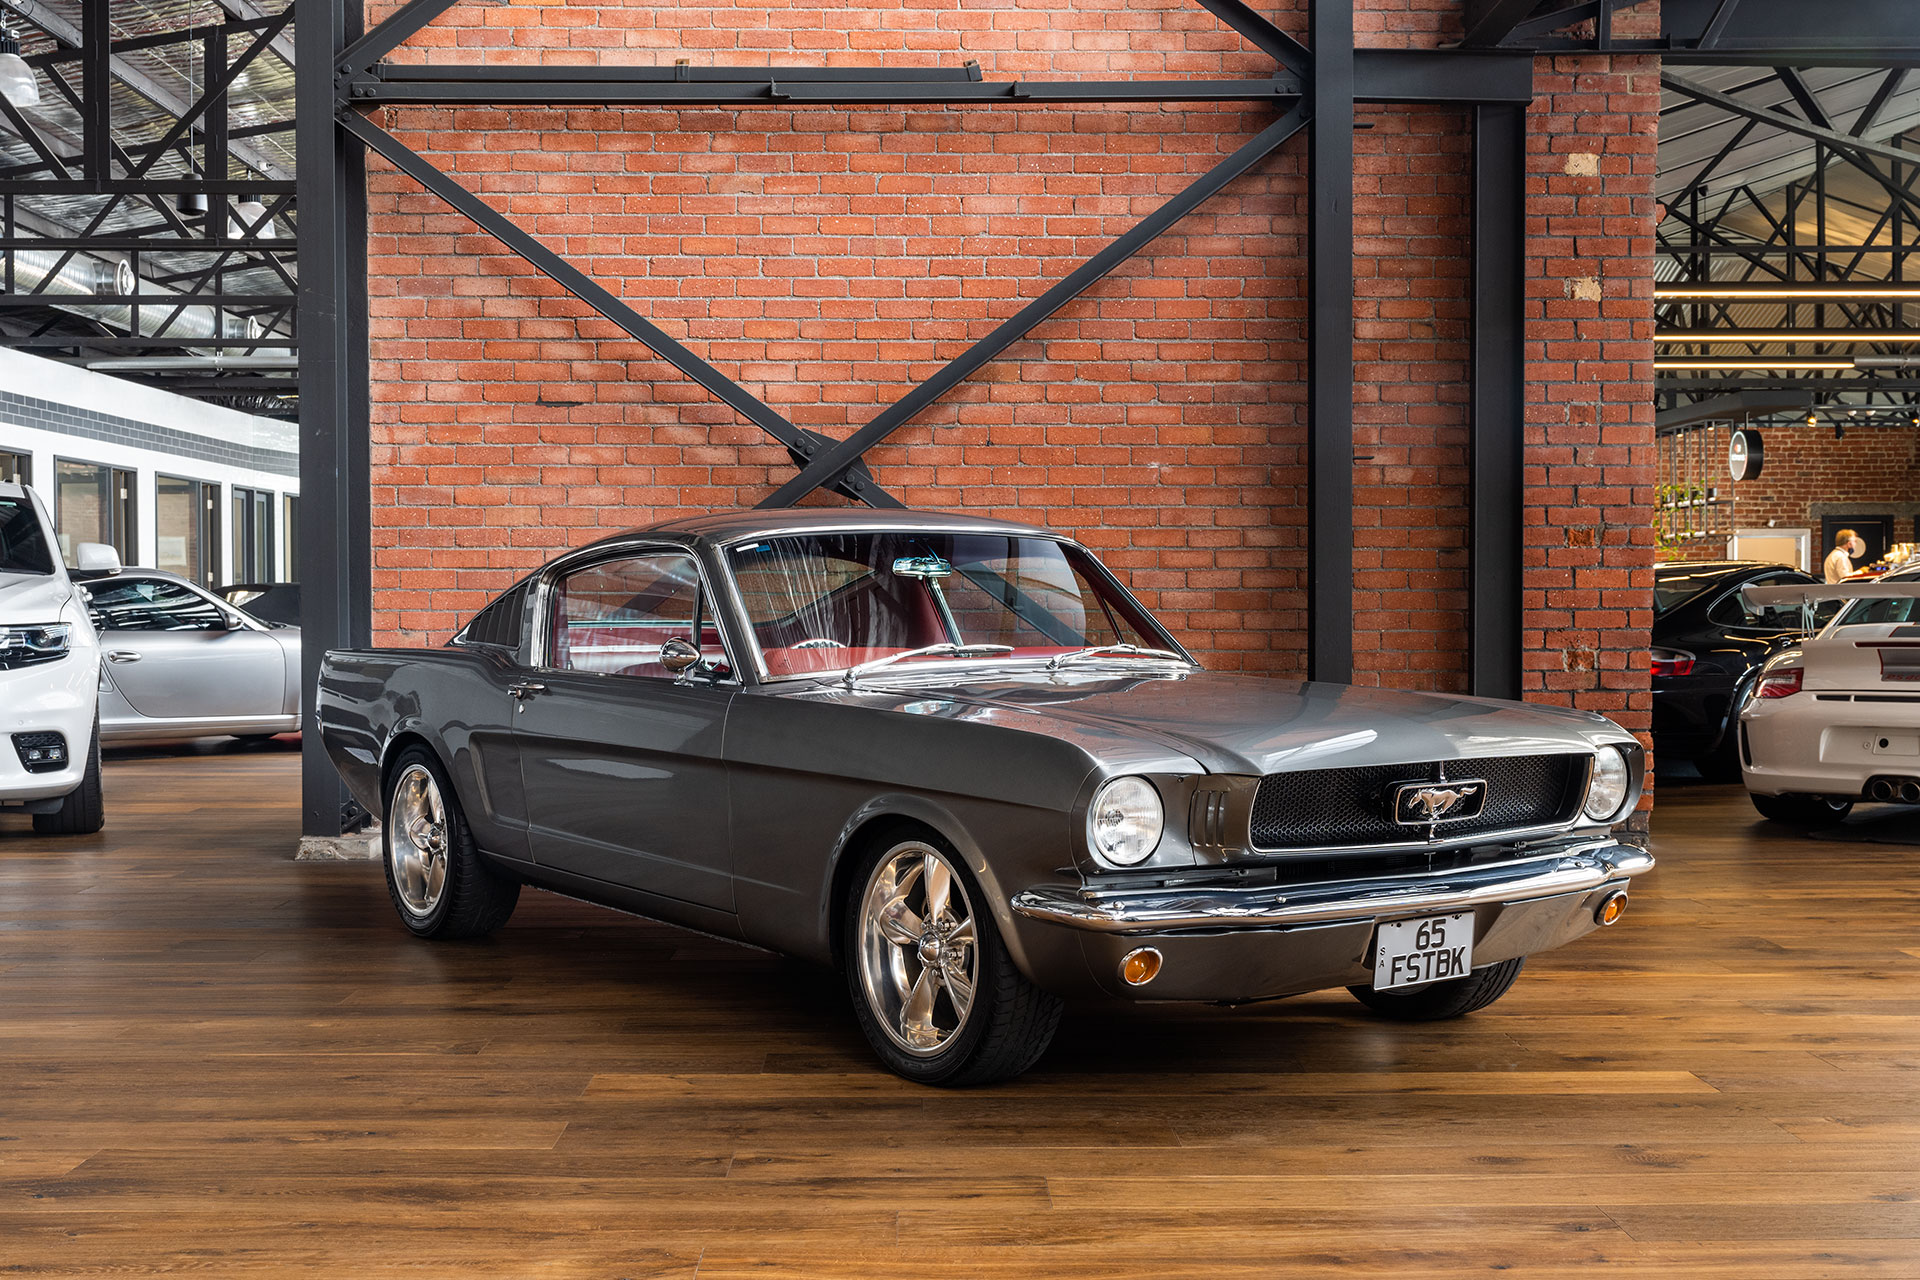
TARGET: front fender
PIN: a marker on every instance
(970, 844)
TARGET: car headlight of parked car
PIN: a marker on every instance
(1125, 821)
(1609, 786)
(23, 645)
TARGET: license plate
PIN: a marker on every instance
(1409, 952)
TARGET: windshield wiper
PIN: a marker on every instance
(1116, 651)
(942, 650)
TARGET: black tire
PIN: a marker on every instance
(84, 811)
(1010, 1022)
(1454, 998)
(474, 898)
(1804, 810)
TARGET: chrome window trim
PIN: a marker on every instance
(725, 566)
(541, 591)
(232, 612)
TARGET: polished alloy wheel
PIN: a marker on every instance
(417, 834)
(918, 960)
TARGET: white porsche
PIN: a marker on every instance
(1835, 718)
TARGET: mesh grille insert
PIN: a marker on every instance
(1333, 808)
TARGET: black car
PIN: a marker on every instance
(267, 601)
(958, 759)
(1708, 644)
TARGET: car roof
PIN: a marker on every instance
(1681, 568)
(730, 526)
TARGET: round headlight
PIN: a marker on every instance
(1607, 789)
(1124, 824)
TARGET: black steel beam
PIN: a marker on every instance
(1380, 76)
(124, 344)
(336, 557)
(155, 300)
(216, 90)
(394, 31)
(1488, 22)
(1442, 77)
(1845, 143)
(824, 470)
(150, 244)
(1730, 407)
(1259, 31)
(399, 88)
(581, 286)
(1497, 432)
(96, 71)
(1330, 345)
(144, 187)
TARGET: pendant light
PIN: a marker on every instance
(17, 83)
(191, 204)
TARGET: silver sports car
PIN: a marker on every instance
(182, 663)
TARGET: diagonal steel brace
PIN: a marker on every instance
(828, 467)
(800, 444)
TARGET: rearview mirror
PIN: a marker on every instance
(922, 567)
(677, 655)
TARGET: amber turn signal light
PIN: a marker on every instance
(1611, 908)
(1138, 968)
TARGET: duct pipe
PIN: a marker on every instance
(84, 277)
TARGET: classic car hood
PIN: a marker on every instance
(32, 597)
(1249, 724)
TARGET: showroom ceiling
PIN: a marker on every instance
(142, 275)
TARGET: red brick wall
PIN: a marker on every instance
(831, 259)
(1412, 244)
(1873, 469)
(1587, 592)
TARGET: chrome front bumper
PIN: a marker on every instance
(1567, 870)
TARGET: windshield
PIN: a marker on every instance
(1671, 589)
(23, 543)
(825, 602)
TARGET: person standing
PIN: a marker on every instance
(1846, 545)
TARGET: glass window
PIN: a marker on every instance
(23, 541)
(93, 503)
(498, 624)
(151, 604)
(829, 601)
(252, 535)
(612, 617)
(186, 525)
(290, 538)
(1888, 609)
(15, 468)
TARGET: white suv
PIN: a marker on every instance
(49, 675)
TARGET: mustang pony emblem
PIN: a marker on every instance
(1417, 804)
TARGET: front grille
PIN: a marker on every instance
(40, 752)
(1339, 808)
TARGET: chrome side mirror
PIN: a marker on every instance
(678, 655)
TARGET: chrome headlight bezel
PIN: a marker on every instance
(1609, 785)
(1125, 822)
(24, 644)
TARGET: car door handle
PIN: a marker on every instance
(122, 655)
(526, 688)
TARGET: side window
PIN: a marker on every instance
(612, 617)
(1738, 611)
(498, 624)
(151, 604)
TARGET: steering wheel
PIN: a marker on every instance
(819, 642)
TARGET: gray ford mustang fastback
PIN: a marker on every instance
(956, 758)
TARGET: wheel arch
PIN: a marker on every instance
(901, 812)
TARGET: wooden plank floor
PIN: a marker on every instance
(217, 1061)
